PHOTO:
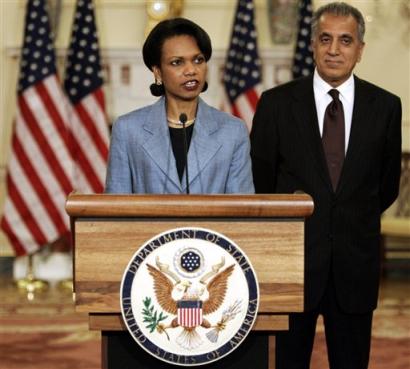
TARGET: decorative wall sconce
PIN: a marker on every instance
(283, 16)
(158, 10)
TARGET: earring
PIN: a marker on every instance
(157, 88)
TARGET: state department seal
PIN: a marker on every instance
(189, 296)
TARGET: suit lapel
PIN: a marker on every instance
(157, 148)
(361, 126)
(202, 147)
(304, 111)
(201, 150)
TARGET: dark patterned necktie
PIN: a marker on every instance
(333, 137)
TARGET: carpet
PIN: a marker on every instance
(47, 333)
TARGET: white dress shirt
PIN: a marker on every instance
(323, 99)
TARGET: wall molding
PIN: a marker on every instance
(128, 79)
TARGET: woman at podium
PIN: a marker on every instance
(179, 144)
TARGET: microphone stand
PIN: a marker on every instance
(183, 118)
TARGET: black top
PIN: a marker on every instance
(177, 141)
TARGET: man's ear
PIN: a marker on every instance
(360, 52)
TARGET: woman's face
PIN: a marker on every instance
(183, 68)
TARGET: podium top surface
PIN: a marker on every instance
(173, 206)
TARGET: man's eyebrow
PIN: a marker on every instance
(325, 34)
(343, 35)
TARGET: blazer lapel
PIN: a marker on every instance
(202, 147)
(361, 126)
(157, 148)
(304, 111)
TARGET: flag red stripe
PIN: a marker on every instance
(252, 97)
(87, 169)
(25, 212)
(90, 126)
(235, 111)
(37, 184)
(56, 118)
(99, 96)
(18, 247)
(37, 133)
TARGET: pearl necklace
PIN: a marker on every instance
(177, 124)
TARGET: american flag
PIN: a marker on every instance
(83, 84)
(242, 74)
(39, 172)
(303, 60)
(57, 147)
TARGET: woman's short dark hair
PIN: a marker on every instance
(152, 49)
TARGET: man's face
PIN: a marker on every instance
(336, 47)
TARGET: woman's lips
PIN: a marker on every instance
(191, 85)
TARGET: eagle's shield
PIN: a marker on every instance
(189, 313)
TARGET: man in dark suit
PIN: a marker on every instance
(344, 150)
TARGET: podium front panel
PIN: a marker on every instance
(104, 247)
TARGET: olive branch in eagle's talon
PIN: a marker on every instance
(153, 318)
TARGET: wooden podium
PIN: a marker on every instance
(109, 229)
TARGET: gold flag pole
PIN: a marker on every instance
(30, 283)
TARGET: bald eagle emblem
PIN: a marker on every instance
(189, 296)
(190, 302)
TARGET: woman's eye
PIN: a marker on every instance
(176, 62)
(199, 59)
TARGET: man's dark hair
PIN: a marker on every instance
(340, 9)
(152, 49)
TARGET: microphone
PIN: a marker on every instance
(183, 118)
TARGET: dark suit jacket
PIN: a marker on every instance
(342, 235)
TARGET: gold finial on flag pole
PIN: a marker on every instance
(30, 284)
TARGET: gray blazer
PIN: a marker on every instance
(141, 159)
